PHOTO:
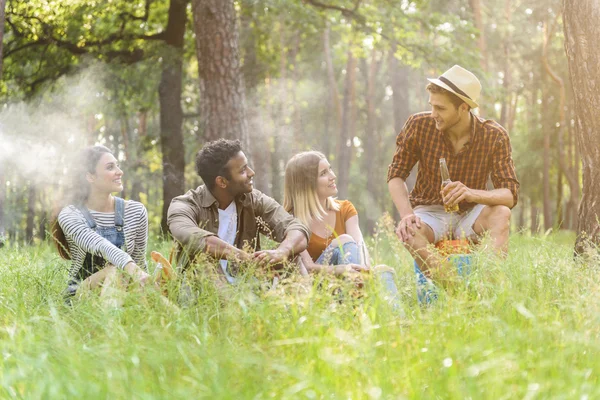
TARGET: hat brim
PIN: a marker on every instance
(441, 84)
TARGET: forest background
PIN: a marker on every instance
(156, 79)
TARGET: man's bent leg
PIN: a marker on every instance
(418, 246)
(496, 221)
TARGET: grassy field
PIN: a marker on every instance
(526, 327)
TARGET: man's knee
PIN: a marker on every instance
(493, 218)
(501, 214)
(422, 238)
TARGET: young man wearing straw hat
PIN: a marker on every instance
(474, 149)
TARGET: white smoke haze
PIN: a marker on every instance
(38, 139)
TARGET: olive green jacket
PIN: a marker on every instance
(194, 216)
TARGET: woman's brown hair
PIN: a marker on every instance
(77, 191)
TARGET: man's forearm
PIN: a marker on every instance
(399, 191)
(295, 242)
(221, 250)
(495, 197)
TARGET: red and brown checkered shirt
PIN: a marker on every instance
(488, 153)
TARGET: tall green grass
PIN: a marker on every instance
(524, 327)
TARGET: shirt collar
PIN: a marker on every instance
(207, 199)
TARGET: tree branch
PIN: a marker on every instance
(33, 85)
(346, 12)
(144, 17)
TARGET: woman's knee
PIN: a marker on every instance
(343, 239)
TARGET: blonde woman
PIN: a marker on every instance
(336, 243)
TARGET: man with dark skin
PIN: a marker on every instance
(475, 149)
(225, 215)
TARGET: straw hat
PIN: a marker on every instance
(460, 82)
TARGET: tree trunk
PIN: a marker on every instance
(478, 22)
(573, 163)
(521, 219)
(333, 89)
(559, 220)
(42, 224)
(2, 206)
(252, 71)
(371, 143)
(31, 197)
(296, 116)
(328, 113)
(15, 223)
(217, 40)
(347, 129)
(583, 54)
(399, 83)
(279, 155)
(535, 220)
(171, 113)
(547, 130)
(2, 15)
(400, 108)
(507, 79)
(2, 181)
(565, 167)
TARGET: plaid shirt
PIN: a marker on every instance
(488, 153)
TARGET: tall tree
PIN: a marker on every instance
(31, 198)
(583, 54)
(478, 19)
(562, 148)
(348, 127)
(547, 130)
(2, 11)
(2, 183)
(171, 114)
(371, 140)
(217, 45)
(253, 72)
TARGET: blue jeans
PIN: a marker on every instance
(350, 254)
(426, 290)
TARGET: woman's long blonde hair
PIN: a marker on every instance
(300, 191)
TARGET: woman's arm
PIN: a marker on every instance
(309, 264)
(141, 236)
(353, 229)
(313, 268)
(76, 228)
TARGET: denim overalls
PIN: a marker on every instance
(114, 234)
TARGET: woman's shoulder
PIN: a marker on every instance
(345, 204)
(69, 211)
(70, 216)
(134, 206)
(347, 209)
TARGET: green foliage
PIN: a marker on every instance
(46, 39)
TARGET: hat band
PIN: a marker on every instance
(454, 87)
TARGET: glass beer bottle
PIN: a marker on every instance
(446, 180)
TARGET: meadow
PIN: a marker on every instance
(525, 327)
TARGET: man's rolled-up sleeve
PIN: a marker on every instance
(278, 221)
(407, 152)
(182, 220)
(503, 173)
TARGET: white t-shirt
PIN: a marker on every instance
(227, 232)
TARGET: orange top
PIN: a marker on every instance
(317, 244)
